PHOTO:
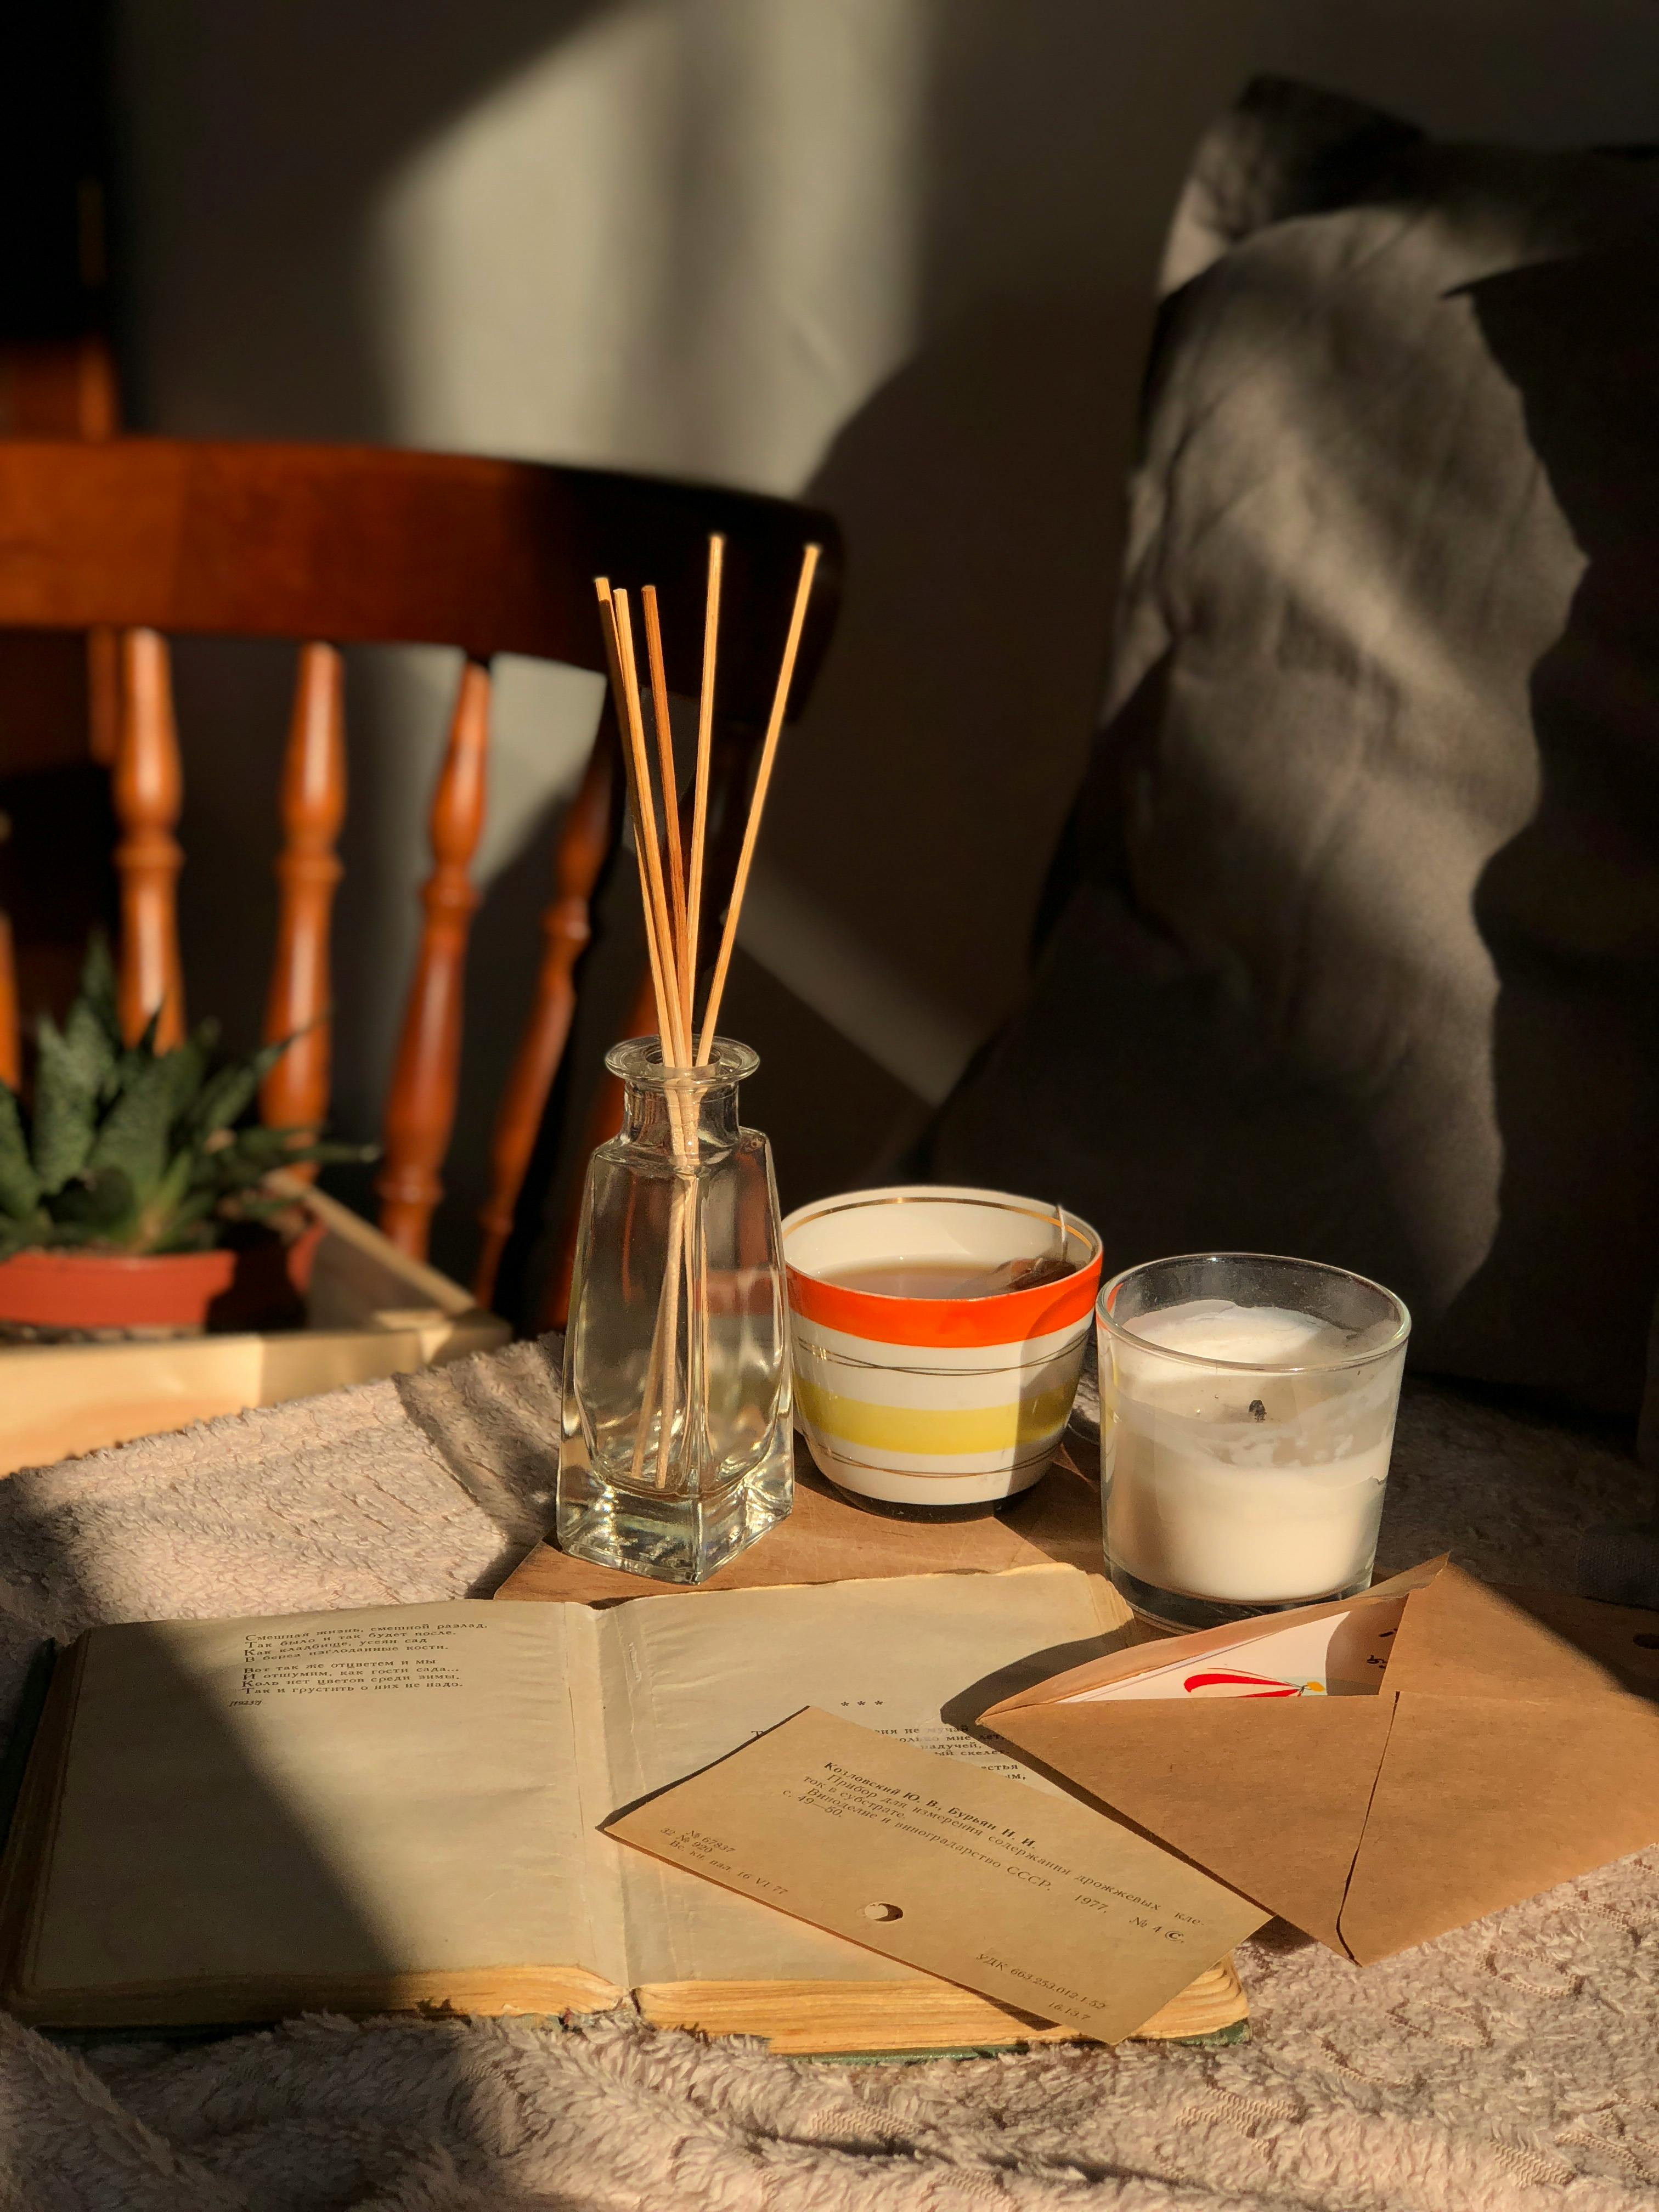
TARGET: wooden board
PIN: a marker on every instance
(828, 1539)
(373, 1312)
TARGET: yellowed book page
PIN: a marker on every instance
(379, 1792)
(1033, 1900)
(686, 1680)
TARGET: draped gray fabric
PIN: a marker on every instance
(1351, 947)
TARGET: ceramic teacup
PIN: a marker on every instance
(920, 1402)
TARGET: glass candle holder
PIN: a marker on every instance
(676, 1450)
(1247, 1411)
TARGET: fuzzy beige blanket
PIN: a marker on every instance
(1510, 2065)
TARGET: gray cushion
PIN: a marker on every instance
(1352, 946)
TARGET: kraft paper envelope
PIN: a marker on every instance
(1461, 1758)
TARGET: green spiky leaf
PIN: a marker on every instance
(20, 1185)
(89, 1041)
(131, 1064)
(187, 1066)
(67, 1082)
(158, 1221)
(135, 1132)
(101, 1203)
(98, 988)
(191, 1226)
(228, 1094)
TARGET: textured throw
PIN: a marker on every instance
(1510, 2065)
(1378, 691)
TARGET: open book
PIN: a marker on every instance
(231, 1820)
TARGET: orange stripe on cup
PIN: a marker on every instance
(1006, 1317)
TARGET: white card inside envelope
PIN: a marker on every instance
(1343, 1655)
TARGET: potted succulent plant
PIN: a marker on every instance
(135, 1194)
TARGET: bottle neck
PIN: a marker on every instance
(689, 1119)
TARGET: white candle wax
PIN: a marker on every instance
(1236, 1485)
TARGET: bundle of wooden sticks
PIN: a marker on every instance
(672, 899)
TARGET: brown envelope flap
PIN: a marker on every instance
(1169, 1651)
(1457, 1638)
(1269, 1794)
(1480, 1802)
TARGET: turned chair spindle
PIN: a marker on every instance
(420, 1111)
(294, 1095)
(585, 841)
(147, 788)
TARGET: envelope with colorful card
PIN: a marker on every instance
(1380, 1769)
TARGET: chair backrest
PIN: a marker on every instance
(334, 545)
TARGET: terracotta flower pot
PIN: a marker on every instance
(257, 1286)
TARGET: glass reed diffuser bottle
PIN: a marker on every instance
(677, 1446)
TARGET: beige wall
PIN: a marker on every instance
(896, 252)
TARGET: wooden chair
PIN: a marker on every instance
(336, 546)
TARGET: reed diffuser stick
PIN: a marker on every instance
(711, 634)
(671, 797)
(677, 1034)
(757, 803)
(608, 625)
(698, 1263)
(661, 1374)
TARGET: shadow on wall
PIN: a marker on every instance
(980, 491)
(259, 318)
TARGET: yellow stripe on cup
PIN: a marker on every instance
(1032, 1421)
